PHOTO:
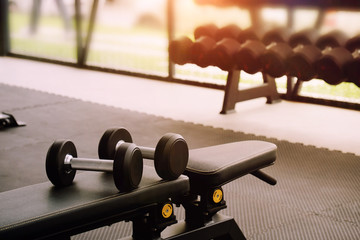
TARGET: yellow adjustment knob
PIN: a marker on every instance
(167, 210)
(217, 195)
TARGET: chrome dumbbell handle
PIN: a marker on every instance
(89, 164)
(147, 152)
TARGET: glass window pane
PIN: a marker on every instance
(132, 36)
(42, 28)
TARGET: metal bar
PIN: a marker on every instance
(90, 32)
(170, 31)
(264, 177)
(147, 152)
(290, 13)
(4, 28)
(253, 92)
(272, 94)
(255, 15)
(123, 72)
(92, 164)
(320, 19)
(79, 40)
(231, 91)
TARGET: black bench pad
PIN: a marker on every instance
(43, 210)
(215, 166)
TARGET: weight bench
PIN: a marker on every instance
(42, 211)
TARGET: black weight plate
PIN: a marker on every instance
(171, 156)
(59, 174)
(128, 167)
(109, 139)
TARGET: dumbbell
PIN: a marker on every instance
(344, 61)
(277, 35)
(200, 49)
(307, 36)
(207, 36)
(126, 166)
(251, 33)
(211, 30)
(222, 54)
(179, 50)
(208, 30)
(228, 31)
(331, 65)
(352, 69)
(302, 64)
(276, 58)
(183, 50)
(249, 55)
(170, 155)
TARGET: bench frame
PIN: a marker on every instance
(73, 210)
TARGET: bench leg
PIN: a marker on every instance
(222, 227)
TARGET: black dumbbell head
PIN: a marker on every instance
(248, 56)
(229, 31)
(352, 69)
(200, 49)
(275, 59)
(179, 50)
(331, 66)
(172, 155)
(58, 173)
(302, 63)
(222, 54)
(304, 37)
(280, 34)
(353, 43)
(335, 38)
(110, 139)
(208, 30)
(127, 167)
(250, 33)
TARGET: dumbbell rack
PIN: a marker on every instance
(234, 95)
(268, 89)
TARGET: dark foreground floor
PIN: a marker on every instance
(317, 195)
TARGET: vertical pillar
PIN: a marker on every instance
(79, 40)
(90, 32)
(4, 28)
(170, 31)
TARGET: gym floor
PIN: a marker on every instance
(310, 124)
(317, 192)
